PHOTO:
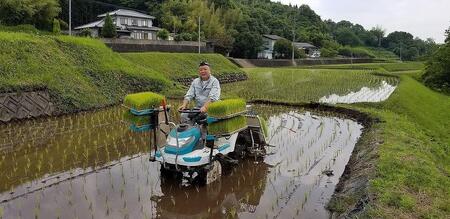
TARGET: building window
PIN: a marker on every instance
(134, 22)
(145, 23)
(123, 21)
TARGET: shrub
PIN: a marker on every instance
(24, 28)
(163, 34)
(144, 100)
(328, 53)
(223, 108)
(86, 32)
(355, 52)
(56, 27)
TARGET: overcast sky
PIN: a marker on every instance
(422, 18)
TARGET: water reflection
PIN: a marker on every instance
(366, 94)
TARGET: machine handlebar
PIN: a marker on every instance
(189, 111)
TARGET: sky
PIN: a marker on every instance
(421, 18)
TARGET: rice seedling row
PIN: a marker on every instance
(105, 172)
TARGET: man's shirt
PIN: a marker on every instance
(200, 91)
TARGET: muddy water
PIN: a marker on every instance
(365, 94)
(90, 166)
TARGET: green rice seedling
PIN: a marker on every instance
(223, 108)
(144, 100)
(228, 125)
(264, 126)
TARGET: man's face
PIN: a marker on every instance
(204, 72)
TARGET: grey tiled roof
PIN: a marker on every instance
(98, 23)
(304, 45)
(127, 13)
(273, 37)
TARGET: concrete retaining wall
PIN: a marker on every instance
(223, 79)
(131, 45)
(25, 105)
(249, 63)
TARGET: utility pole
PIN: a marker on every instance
(293, 40)
(70, 17)
(198, 34)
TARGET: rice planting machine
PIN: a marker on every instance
(204, 147)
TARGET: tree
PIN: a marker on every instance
(437, 72)
(283, 49)
(346, 36)
(39, 13)
(447, 35)
(379, 32)
(56, 26)
(163, 34)
(247, 45)
(109, 29)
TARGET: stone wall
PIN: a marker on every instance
(25, 105)
(132, 45)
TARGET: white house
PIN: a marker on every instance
(310, 50)
(129, 24)
(269, 42)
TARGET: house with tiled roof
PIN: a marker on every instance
(129, 24)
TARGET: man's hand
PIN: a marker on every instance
(182, 107)
(203, 109)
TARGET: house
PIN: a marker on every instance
(268, 43)
(129, 24)
(310, 50)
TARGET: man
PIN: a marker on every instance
(204, 90)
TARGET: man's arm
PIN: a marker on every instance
(214, 95)
(188, 97)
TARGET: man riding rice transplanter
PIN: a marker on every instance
(204, 90)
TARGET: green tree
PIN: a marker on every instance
(437, 72)
(447, 35)
(282, 49)
(379, 33)
(247, 45)
(56, 26)
(345, 36)
(109, 29)
(163, 34)
(39, 13)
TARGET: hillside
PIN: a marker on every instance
(182, 65)
(79, 73)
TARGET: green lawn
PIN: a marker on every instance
(302, 85)
(182, 65)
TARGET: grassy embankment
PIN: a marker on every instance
(82, 73)
(79, 73)
(412, 165)
(182, 65)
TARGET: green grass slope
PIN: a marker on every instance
(413, 169)
(182, 65)
(79, 73)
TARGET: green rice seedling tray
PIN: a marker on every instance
(224, 109)
(143, 103)
(228, 126)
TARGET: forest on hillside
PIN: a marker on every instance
(234, 26)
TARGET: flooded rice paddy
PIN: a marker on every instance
(89, 165)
